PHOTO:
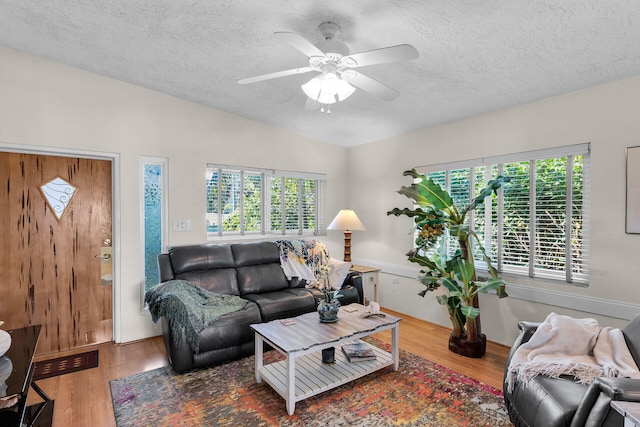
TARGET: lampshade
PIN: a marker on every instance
(346, 220)
(325, 87)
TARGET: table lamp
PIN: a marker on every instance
(348, 221)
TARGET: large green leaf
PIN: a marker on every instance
(491, 284)
(492, 187)
(424, 261)
(442, 299)
(495, 283)
(492, 270)
(426, 192)
(469, 312)
(463, 270)
(428, 279)
(451, 285)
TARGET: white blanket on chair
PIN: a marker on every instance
(563, 345)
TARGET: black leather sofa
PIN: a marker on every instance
(555, 402)
(251, 271)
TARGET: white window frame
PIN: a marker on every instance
(265, 198)
(531, 271)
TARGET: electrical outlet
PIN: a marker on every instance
(395, 280)
(181, 224)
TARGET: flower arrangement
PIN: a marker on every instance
(329, 294)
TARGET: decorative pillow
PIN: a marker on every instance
(339, 272)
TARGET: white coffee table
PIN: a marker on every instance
(302, 374)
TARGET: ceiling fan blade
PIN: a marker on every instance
(300, 43)
(370, 85)
(383, 55)
(275, 75)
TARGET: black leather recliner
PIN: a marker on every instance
(251, 271)
(556, 402)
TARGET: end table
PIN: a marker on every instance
(369, 277)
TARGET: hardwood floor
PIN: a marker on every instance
(431, 342)
(84, 398)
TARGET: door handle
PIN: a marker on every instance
(105, 256)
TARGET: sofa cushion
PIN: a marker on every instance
(221, 280)
(255, 253)
(231, 329)
(210, 266)
(255, 279)
(200, 257)
(546, 401)
(283, 304)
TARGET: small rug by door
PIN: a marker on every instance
(65, 365)
(420, 393)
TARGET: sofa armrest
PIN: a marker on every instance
(180, 354)
(165, 268)
(355, 279)
(526, 330)
(595, 407)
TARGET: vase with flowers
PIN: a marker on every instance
(329, 306)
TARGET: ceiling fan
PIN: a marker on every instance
(337, 78)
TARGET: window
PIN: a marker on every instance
(538, 226)
(248, 201)
(154, 217)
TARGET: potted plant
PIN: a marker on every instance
(437, 219)
(328, 307)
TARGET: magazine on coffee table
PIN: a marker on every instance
(358, 351)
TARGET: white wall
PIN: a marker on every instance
(50, 106)
(607, 116)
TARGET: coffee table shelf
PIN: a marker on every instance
(314, 377)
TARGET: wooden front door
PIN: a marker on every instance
(55, 217)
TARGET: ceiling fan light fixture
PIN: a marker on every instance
(325, 87)
(326, 98)
(313, 87)
(345, 90)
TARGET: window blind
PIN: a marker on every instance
(538, 225)
(244, 201)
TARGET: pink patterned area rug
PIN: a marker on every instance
(420, 393)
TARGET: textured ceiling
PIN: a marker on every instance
(475, 56)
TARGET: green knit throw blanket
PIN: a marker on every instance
(188, 306)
